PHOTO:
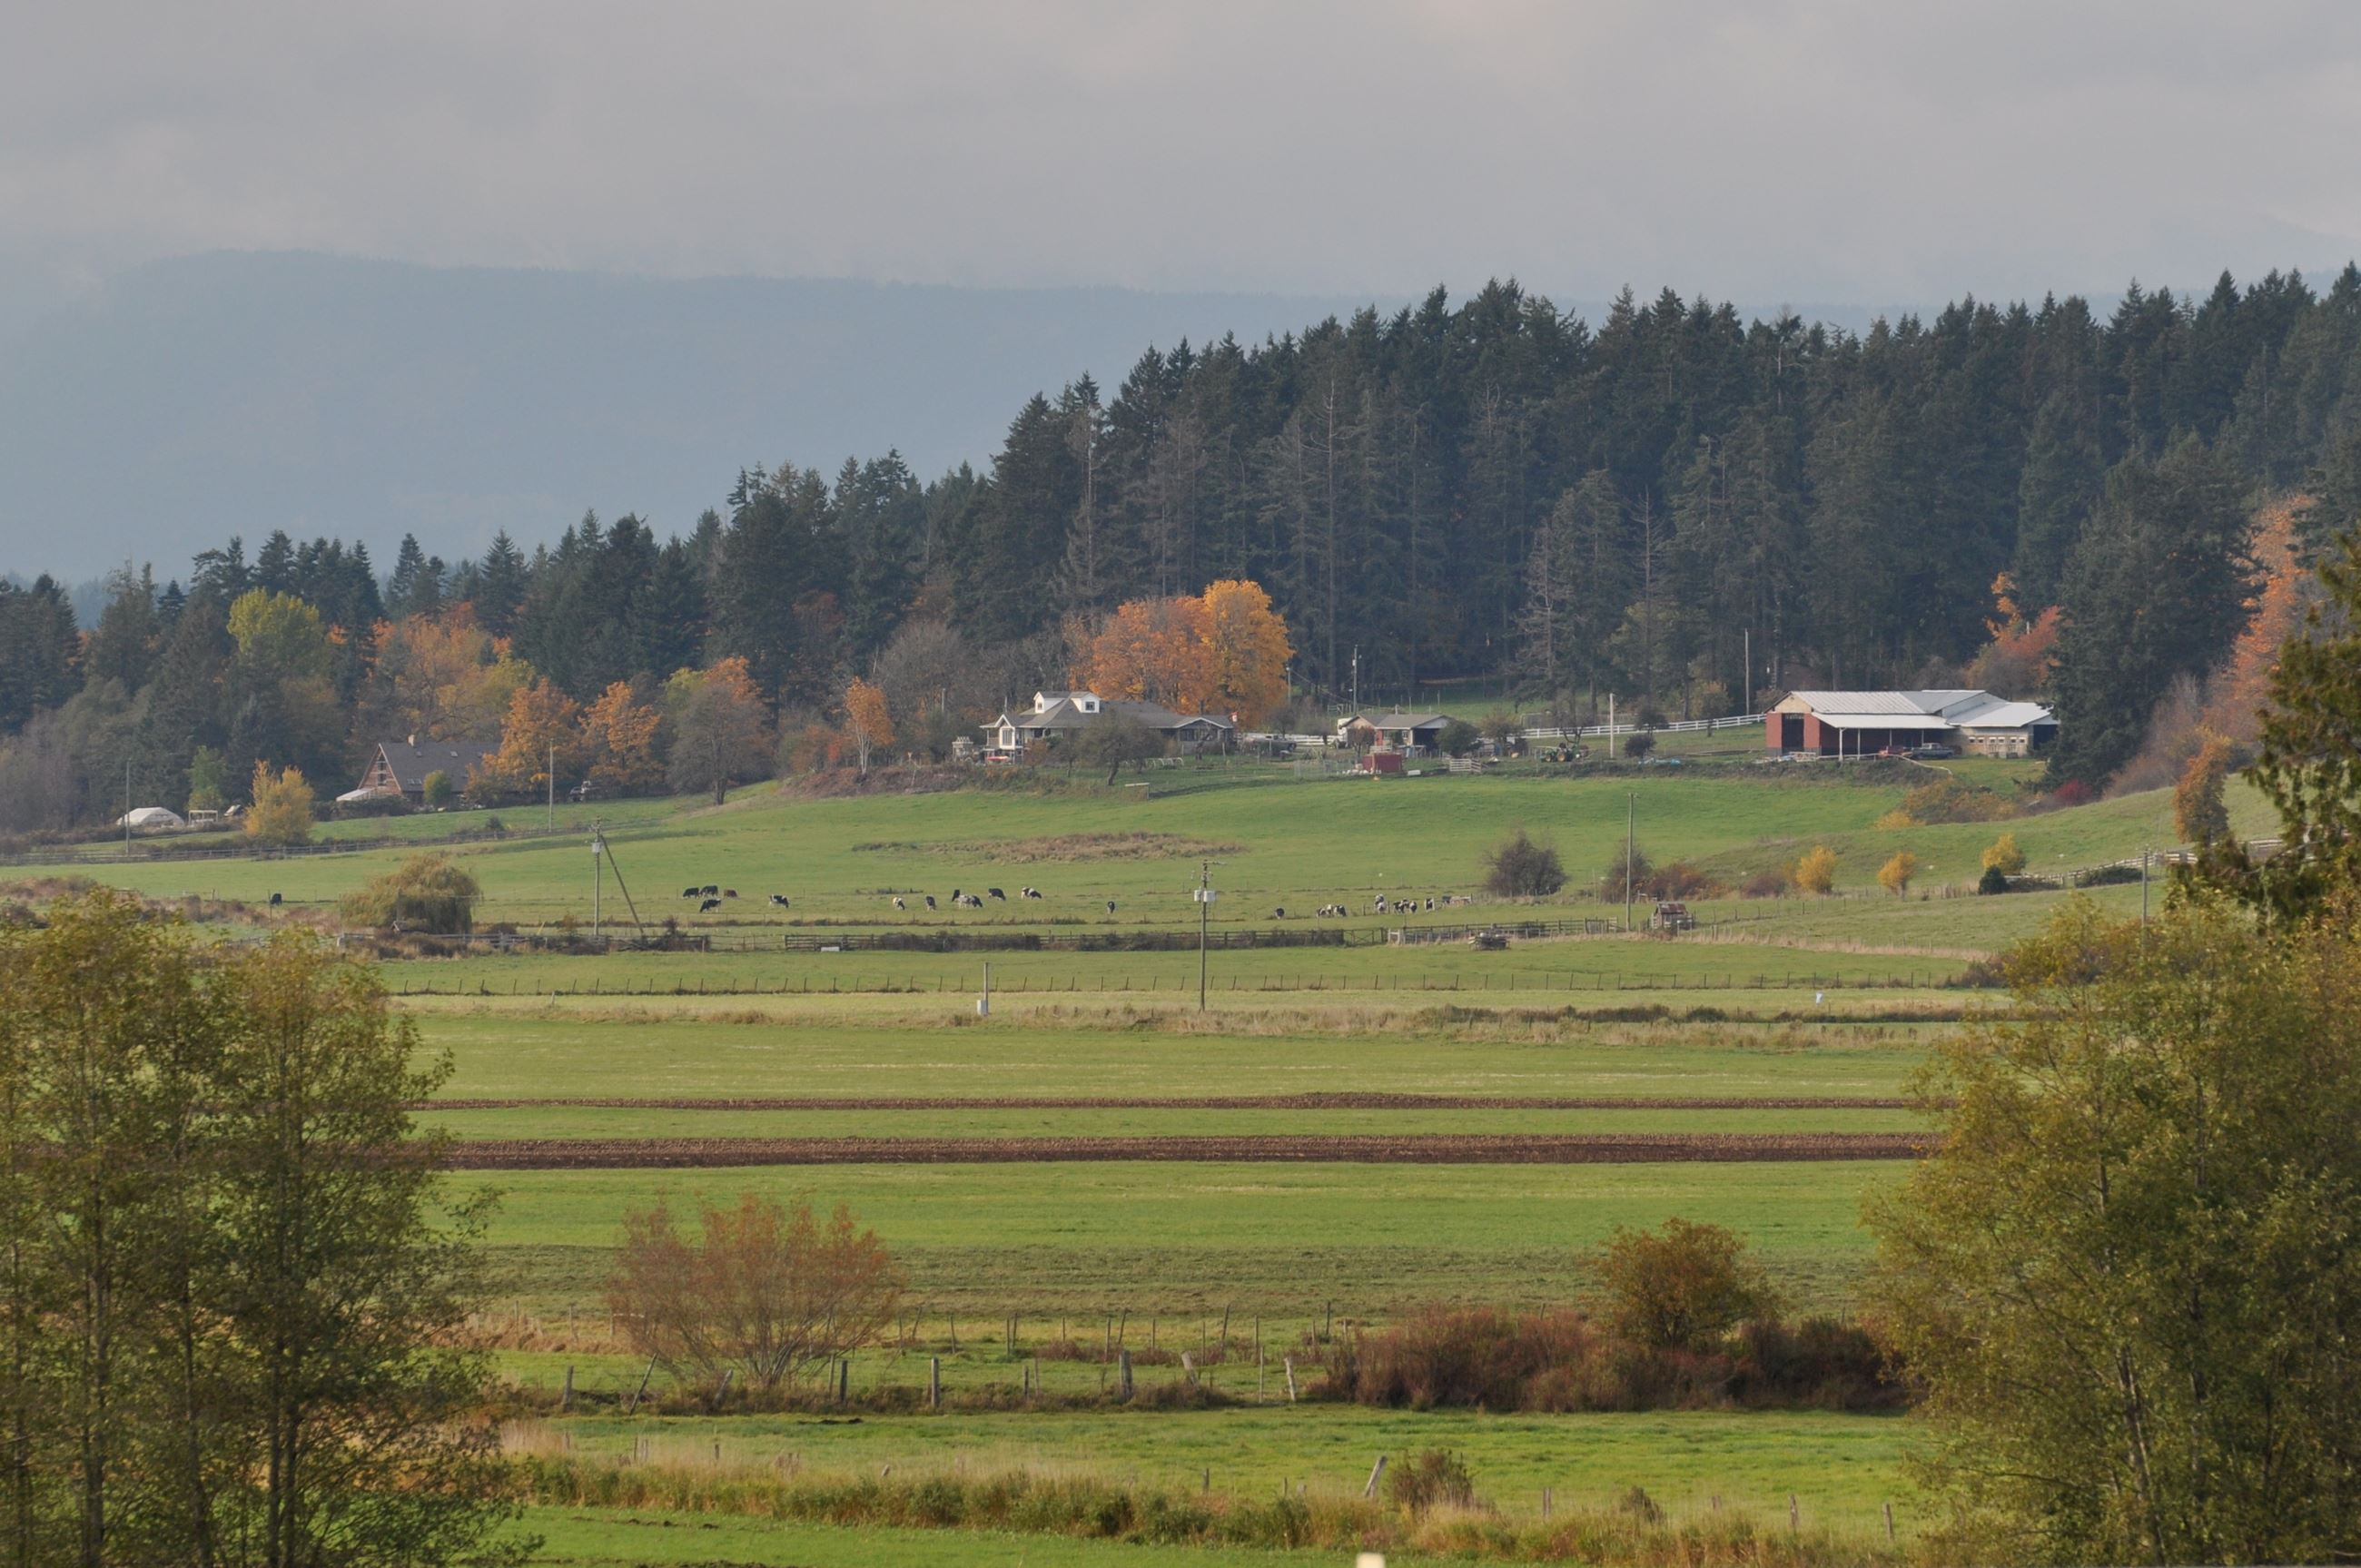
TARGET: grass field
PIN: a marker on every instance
(1833, 1000)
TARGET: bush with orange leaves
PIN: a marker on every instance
(760, 1290)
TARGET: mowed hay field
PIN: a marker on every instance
(1342, 1135)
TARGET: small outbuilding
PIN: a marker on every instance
(1413, 734)
(152, 819)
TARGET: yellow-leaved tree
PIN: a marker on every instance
(867, 720)
(281, 812)
(1895, 875)
(1247, 652)
(1815, 872)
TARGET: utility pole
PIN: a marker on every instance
(1630, 856)
(2144, 852)
(1749, 705)
(597, 877)
(1356, 677)
(1611, 726)
(127, 803)
(1205, 921)
(549, 817)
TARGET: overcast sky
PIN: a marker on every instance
(1868, 153)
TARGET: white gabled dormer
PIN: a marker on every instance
(1084, 702)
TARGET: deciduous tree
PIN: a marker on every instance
(720, 730)
(866, 717)
(280, 811)
(619, 741)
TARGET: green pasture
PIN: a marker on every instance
(1840, 1469)
(1279, 842)
(1184, 1238)
(549, 1051)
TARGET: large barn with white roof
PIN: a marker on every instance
(1860, 724)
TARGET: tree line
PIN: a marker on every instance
(1677, 506)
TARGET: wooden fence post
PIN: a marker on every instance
(935, 1382)
(1288, 1362)
(1123, 1374)
(566, 1400)
(1889, 1524)
(1376, 1474)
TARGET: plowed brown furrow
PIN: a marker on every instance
(1510, 1148)
(1207, 1102)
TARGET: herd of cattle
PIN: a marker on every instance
(709, 897)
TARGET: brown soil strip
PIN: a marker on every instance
(1205, 1103)
(561, 1154)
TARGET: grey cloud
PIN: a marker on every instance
(1871, 152)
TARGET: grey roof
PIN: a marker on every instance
(412, 763)
(1409, 720)
(1923, 709)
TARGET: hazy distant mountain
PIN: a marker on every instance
(196, 398)
(188, 400)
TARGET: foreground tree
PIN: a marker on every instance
(228, 1282)
(2130, 1276)
(2308, 769)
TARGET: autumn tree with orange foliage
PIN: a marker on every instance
(2016, 662)
(866, 719)
(721, 730)
(541, 730)
(1225, 651)
(619, 741)
(2238, 691)
(1149, 650)
(441, 675)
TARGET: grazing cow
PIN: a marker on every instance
(274, 901)
(973, 902)
(957, 896)
(931, 900)
(1430, 904)
(708, 890)
(729, 892)
(707, 906)
(778, 901)
(691, 892)
(995, 892)
(899, 904)
(1110, 905)
(1031, 892)
(1280, 914)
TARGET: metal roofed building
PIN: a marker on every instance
(1855, 724)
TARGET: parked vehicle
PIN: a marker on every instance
(1672, 914)
(1937, 750)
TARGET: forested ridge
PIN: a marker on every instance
(1489, 487)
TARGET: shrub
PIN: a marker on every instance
(2073, 792)
(426, 893)
(764, 1290)
(1638, 746)
(1995, 880)
(435, 790)
(1682, 1287)
(1521, 868)
(1447, 1357)
(1764, 884)
(1815, 872)
(1458, 738)
(1611, 885)
(1434, 1477)
(2002, 855)
(1896, 819)
(1640, 1505)
(1955, 800)
(1679, 880)
(1895, 875)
